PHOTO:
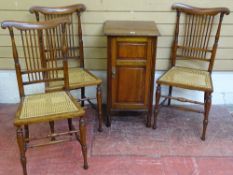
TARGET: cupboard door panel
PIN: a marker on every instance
(130, 66)
(131, 50)
(130, 69)
(130, 85)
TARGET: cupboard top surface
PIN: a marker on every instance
(130, 28)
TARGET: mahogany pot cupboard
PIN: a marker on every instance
(130, 66)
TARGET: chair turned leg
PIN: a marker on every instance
(26, 131)
(22, 149)
(108, 117)
(99, 104)
(82, 128)
(108, 113)
(70, 125)
(72, 128)
(51, 125)
(158, 94)
(82, 95)
(169, 94)
(206, 114)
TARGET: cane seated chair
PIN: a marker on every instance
(79, 77)
(37, 41)
(192, 57)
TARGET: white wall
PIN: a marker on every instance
(223, 88)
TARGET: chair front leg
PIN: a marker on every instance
(208, 101)
(22, 148)
(99, 104)
(82, 128)
(158, 94)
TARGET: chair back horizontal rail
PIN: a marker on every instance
(43, 81)
(42, 70)
(192, 58)
(194, 48)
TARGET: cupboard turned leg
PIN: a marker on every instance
(169, 94)
(51, 125)
(82, 128)
(149, 113)
(99, 104)
(22, 149)
(82, 96)
(150, 104)
(158, 94)
(207, 106)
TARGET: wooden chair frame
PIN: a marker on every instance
(47, 13)
(36, 72)
(195, 46)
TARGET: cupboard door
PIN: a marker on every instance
(130, 70)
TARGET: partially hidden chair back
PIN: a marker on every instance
(38, 43)
(79, 77)
(197, 34)
(73, 32)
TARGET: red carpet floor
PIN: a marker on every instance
(128, 147)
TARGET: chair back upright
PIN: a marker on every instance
(33, 43)
(197, 33)
(75, 53)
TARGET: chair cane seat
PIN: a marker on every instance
(187, 78)
(48, 106)
(78, 78)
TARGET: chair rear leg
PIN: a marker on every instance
(82, 96)
(99, 104)
(108, 116)
(22, 149)
(169, 94)
(82, 128)
(207, 107)
(26, 130)
(158, 94)
(72, 128)
(70, 125)
(51, 125)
